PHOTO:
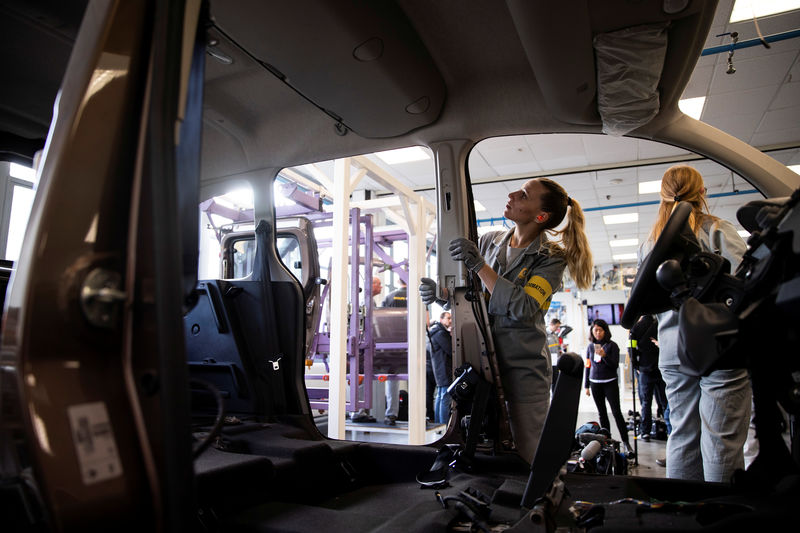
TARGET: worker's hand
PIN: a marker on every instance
(462, 249)
(600, 351)
(587, 392)
(427, 291)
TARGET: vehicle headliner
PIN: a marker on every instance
(502, 74)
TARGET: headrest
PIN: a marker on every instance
(748, 213)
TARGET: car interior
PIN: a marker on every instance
(137, 395)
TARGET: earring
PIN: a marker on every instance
(539, 218)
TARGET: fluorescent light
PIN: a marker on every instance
(692, 106)
(624, 257)
(743, 233)
(795, 168)
(623, 242)
(403, 155)
(22, 172)
(479, 206)
(621, 219)
(747, 9)
(648, 187)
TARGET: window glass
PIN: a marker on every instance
(21, 203)
(617, 182)
(218, 217)
(243, 253)
(305, 191)
(289, 252)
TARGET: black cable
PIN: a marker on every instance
(218, 421)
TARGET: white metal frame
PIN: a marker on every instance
(417, 216)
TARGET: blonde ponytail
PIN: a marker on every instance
(576, 247)
(571, 242)
(681, 183)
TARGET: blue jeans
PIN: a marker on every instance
(651, 383)
(441, 406)
(392, 398)
(709, 417)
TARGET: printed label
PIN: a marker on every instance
(540, 290)
(94, 442)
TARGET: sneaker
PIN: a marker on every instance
(645, 437)
(661, 462)
(362, 418)
(629, 453)
(390, 420)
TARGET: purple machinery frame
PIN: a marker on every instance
(360, 340)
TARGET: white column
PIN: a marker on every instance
(339, 279)
(416, 322)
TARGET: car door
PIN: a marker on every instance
(297, 248)
(92, 325)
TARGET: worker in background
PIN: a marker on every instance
(644, 354)
(396, 298)
(441, 347)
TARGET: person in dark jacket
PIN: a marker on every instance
(397, 298)
(645, 360)
(442, 363)
(602, 362)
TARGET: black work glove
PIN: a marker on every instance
(427, 291)
(462, 249)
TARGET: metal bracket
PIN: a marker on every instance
(101, 297)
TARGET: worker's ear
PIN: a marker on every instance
(542, 217)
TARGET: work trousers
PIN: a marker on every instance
(527, 420)
(709, 416)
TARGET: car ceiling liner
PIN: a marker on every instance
(629, 65)
(362, 63)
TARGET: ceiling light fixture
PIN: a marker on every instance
(403, 155)
(747, 9)
(649, 187)
(624, 218)
(692, 106)
(623, 242)
(624, 257)
(24, 173)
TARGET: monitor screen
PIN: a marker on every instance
(611, 313)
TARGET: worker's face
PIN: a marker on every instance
(554, 327)
(376, 285)
(598, 332)
(524, 205)
(447, 320)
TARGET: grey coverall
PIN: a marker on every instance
(516, 308)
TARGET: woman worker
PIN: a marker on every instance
(521, 269)
(602, 363)
(709, 415)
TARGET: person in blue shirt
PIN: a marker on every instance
(602, 362)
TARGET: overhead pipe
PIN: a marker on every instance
(492, 220)
(791, 34)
